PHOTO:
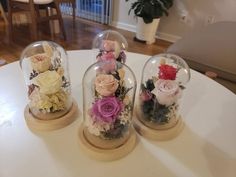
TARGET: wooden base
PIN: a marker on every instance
(160, 135)
(106, 154)
(46, 125)
(105, 144)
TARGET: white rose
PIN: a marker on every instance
(167, 92)
(49, 82)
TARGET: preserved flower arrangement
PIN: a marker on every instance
(45, 69)
(109, 90)
(110, 45)
(163, 80)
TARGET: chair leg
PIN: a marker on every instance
(37, 11)
(60, 19)
(3, 14)
(10, 25)
(51, 22)
(33, 22)
(73, 8)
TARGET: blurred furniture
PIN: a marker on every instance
(2, 12)
(72, 3)
(33, 7)
(206, 146)
(212, 48)
(2, 62)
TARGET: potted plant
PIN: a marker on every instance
(149, 13)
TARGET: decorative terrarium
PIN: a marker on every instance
(108, 99)
(110, 45)
(163, 80)
(45, 68)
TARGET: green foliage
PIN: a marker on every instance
(150, 85)
(150, 9)
(116, 131)
(155, 112)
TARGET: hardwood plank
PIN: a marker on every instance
(79, 36)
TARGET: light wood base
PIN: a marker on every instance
(46, 125)
(160, 135)
(106, 154)
(105, 144)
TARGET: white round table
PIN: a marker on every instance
(206, 147)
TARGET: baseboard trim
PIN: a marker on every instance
(167, 37)
(124, 26)
(159, 35)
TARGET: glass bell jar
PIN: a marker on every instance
(45, 68)
(110, 45)
(108, 96)
(163, 79)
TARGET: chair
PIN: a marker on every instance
(212, 48)
(2, 62)
(33, 7)
(73, 4)
(3, 14)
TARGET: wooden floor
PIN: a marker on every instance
(78, 37)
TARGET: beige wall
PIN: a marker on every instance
(172, 27)
(120, 15)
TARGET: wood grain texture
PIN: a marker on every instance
(106, 154)
(79, 36)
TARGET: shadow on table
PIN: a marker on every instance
(188, 155)
(191, 156)
(221, 163)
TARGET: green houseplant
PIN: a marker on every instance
(149, 13)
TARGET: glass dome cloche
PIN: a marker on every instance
(163, 80)
(45, 68)
(108, 100)
(110, 45)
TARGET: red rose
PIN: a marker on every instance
(167, 72)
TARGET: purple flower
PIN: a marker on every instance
(106, 109)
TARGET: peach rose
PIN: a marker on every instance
(121, 73)
(167, 92)
(109, 45)
(40, 62)
(106, 84)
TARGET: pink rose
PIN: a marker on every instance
(108, 66)
(106, 84)
(108, 62)
(106, 56)
(145, 95)
(167, 92)
(111, 46)
(106, 109)
(108, 45)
